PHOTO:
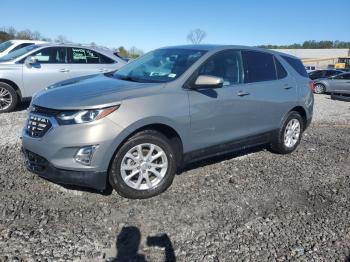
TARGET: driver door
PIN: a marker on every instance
(219, 115)
(51, 67)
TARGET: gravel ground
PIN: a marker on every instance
(252, 206)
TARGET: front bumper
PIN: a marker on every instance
(40, 166)
(52, 155)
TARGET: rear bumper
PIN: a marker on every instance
(40, 166)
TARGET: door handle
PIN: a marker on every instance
(103, 70)
(64, 70)
(242, 93)
(286, 86)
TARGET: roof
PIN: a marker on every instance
(208, 48)
(27, 41)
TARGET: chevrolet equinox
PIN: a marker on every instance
(133, 128)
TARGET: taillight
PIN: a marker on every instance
(312, 85)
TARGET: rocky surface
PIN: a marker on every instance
(251, 206)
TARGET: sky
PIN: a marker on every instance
(151, 24)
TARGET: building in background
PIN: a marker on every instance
(321, 58)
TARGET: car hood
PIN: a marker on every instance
(92, 91)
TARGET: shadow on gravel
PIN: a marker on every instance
(128, 242)
(22, 106)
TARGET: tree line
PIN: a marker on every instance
(311, 44)
(9, 33)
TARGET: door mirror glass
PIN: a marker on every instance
(207, 81)
(31, 60)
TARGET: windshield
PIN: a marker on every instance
(159, 66)
(18, 53)
(5, 45)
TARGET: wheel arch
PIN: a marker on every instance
(13, 85)
(303, 114)
(164, 128)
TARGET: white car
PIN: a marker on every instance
(13, 45)
(32, 68)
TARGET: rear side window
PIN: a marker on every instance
(258, 66)
(281, 72)
(316, 74)
(84, 56)
(297, 65)
(106, 60)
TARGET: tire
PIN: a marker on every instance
(280, 143)
(320, 88)
(125, 181)
(8, 98)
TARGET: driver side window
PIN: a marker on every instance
(51, 55)
(227, 65)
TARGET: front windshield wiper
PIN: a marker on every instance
(128, 78)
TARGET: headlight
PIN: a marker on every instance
(84, 116)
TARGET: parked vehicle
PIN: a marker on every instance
(35, 67)
(135, 127)
(317, 74)
(333, 83)
(342, 95)
(13, 45)
(310, 68)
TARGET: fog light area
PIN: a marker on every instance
(85, 154)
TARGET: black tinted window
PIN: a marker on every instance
(106, 60)
(258, 66)
(21, 46)
(316, 74)
(83, 56)
(296, 64)
(227, 65)
(331, 73)
(51, 55)
(343, 76)
(281, 72)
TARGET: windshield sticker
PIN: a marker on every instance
(172, 75)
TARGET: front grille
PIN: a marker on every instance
(37, 126)
(44, 111)
(34, 162)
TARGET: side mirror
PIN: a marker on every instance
(207, 81)
(30, 60)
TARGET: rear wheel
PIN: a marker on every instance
(8, 98)
(289, 135)
(320, 89)
(144, 166)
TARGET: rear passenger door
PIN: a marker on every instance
(270, 91)
(84, 61)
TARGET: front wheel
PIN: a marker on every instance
(144, 166)
(289, 135)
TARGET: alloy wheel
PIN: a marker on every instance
(5, 99)
(292, 133)
(144, 166)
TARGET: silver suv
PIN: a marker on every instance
(35, 67)
(134, 128)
